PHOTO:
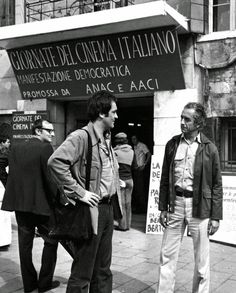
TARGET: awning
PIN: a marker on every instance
(130, 18)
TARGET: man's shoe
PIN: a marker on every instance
(54, 285)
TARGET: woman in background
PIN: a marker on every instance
(126, 159)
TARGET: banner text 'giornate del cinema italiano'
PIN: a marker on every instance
(139, 61)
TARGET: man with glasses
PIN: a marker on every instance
(30, 193)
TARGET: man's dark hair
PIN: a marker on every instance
(38, 124)
(200, 117)
(100, 103)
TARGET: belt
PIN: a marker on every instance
(184, 193)
(105, 200)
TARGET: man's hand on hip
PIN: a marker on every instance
(90, 198)
(164, 218)
(213, 226)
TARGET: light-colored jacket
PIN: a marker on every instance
(68, 169)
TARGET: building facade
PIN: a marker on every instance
(201, 34)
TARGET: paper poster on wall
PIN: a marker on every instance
(152, 221)
(227, 230)
(22, 123)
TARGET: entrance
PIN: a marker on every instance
(135, 116)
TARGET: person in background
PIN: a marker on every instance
(5, 217)
(90, 270)
(4, 152)
(140, 192)
(30, 192)
(190, 195)
(126, 159)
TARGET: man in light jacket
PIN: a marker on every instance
(190, 194)
(91, 265)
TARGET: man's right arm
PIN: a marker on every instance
(59, 165)
(60, 162)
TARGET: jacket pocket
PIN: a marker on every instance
(206, 204)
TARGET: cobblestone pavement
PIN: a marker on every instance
(134, 264)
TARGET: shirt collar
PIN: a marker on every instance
(197, 138)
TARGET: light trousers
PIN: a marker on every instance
(126, 196)
(171, 242)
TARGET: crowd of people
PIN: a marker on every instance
(190, 195)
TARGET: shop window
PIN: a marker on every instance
(228, 143)
(222, 15)
(7, 12)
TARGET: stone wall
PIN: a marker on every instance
(219, 60)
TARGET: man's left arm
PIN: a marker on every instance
(217, 194)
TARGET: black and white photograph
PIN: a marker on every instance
(118, 146)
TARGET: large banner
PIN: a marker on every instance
(227, 230)
(131, 62)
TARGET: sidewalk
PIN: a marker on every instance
(134, 264)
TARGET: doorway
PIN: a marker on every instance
(135, 116)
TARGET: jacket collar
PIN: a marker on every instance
(203, 138)
(94, 136)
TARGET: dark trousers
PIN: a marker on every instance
(90, 270)
(140, 190)
(27, 222)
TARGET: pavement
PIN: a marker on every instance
(135, 263)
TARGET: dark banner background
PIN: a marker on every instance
(139, 61)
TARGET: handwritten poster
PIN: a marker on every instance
(131, 62)
(152, 222)
(227, 230)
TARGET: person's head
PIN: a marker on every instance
(193, 118)
(43, 129)
(134, 139)
(121, 138)
(4, 141)
(102, 106)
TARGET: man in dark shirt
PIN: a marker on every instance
(29, 192)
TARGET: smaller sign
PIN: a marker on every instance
(227, 230)
(22, 123)
(153, 225)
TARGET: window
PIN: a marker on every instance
(228, 143)
(44, 9)
(222, 15)
(7, 12)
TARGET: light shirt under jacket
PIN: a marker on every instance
(184, 163)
